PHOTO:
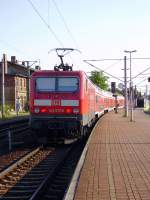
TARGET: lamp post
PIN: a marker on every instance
(131, 89)
(125, 88)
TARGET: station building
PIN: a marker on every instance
(16, 83)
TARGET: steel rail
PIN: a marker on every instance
(10, 176)
(56, 183)
(18, 163)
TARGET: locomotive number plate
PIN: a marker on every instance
(56, 110)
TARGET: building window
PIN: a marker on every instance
(17, 82)
(24, 82)
(21, 84)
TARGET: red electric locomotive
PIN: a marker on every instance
(65, 103)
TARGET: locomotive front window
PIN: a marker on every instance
(45, 84)
(57, 84)
(67, 84)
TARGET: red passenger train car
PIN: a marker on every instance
(66, 103)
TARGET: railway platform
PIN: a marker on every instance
(116, 164)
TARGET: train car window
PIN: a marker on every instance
(67, 84)
(106, 100)
(86, 84)
(45, 84)
(96, 99)
(57, 84)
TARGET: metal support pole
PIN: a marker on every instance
(3, 88)
(125, 84)
(9, 140)
(131, 89)
(135, 96)
(146, 92)
(28, 84)
(131, 93)
(116, 104)
(149, 101)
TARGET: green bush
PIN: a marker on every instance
(8, 109)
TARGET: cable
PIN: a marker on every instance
(48, 11)
(141, 72)
(140, 58)
(110, 59)
(13, 47)
(103, 71)
(65, 24)
(141, 81)
(47, 25)
(145, 74)
(112, 65)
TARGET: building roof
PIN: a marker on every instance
(16, 69)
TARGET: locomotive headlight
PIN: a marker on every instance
(75, 110)
(36, 110)
(44, 110)
(68, 110)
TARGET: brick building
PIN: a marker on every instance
(16, 83)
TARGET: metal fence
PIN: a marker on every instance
(12, 133)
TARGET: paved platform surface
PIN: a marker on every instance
(117, 164)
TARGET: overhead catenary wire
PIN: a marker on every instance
(64, 22)
(145, 74)
(16, 49)
(104, 59)
(46, 24)
(111, 59)
(103, 71)
(48, 11)
(141, 81)
(112, 65)
(141, 73)
(11, 46)
(119, 59)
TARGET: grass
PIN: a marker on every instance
(12, 115)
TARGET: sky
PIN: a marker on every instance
(99, 29)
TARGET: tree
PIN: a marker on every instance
(98, 78)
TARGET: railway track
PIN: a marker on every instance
(47, 178)
(15, 172)
(57, 185)
(10, 158)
